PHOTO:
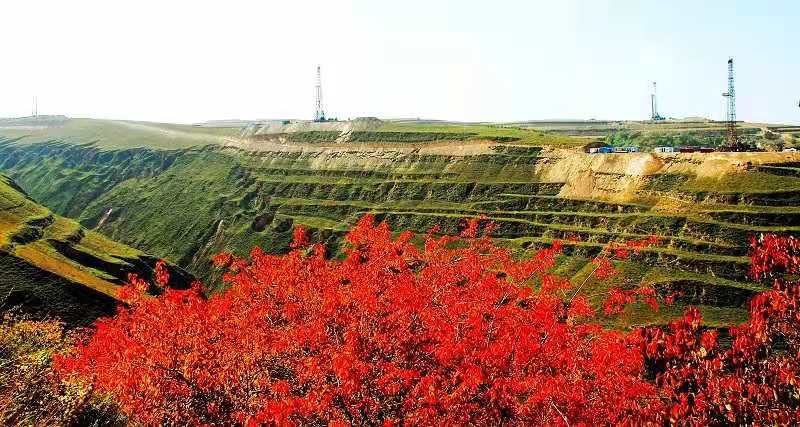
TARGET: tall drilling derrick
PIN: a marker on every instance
(731, 141)
(319, 113)
(654, 106)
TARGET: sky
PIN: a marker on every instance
(190, 61)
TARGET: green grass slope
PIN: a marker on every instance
(404, 131)
(50, 265)
(116, 134)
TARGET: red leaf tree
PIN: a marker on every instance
(446, 334)
(455, 332)
(752, 381)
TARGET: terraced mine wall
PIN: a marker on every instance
(186, 205)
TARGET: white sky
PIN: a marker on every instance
(187, 61)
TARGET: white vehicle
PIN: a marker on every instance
(664, 150)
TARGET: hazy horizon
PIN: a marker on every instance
(421, 119)
(459, 61)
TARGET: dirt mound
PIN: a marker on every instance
(367, 123)
(620, 177)
(347, 126)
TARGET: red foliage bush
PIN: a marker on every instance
(754, 381)
(456, 332)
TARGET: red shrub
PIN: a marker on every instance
(447, 334)
(755, 379)
(434, 336)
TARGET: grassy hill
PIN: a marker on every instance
(51, 265)
(186, 202)
(113, 134)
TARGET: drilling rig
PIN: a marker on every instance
(654, 116)
(319, 112)
(731, 139)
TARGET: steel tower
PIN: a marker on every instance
(654, 106)
(319, 113)
(731, 141)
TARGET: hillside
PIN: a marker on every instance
(227, 192)
(52, 266)
(111, 134)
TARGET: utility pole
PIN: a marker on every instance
(319, 113)
(731, 140)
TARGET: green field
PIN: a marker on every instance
(189, 194)
(481, 131)
(120, 134)
(673, 133)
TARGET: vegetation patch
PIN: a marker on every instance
(30, 392)
(745, 182)
(383, 136)
(666, 182)
(307, 137)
